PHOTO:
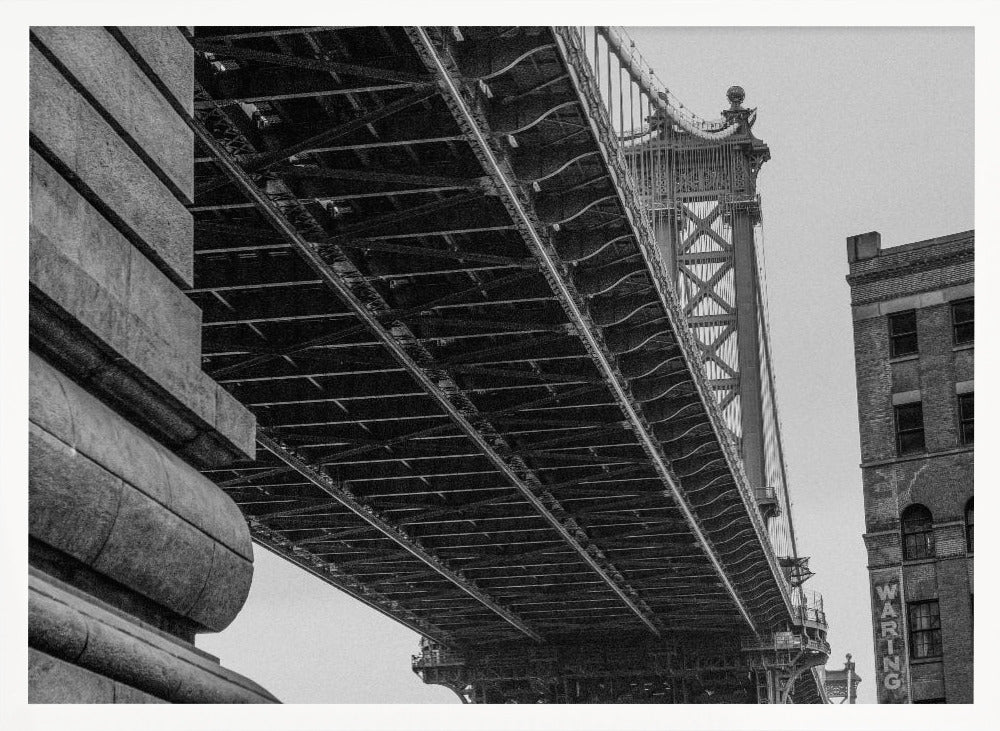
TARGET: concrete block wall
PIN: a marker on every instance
(925, 277)
(132, 551)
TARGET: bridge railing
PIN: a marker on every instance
(618, 65)
(808, 606)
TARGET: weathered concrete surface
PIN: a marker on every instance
(78, 257)
(89, 269)
(132, 549)
(51, 680)
(97, 61)
(73, 131)
(78, 630)
(169, 55)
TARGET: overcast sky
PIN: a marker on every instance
(869, 129)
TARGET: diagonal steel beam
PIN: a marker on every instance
(359, 229)
(377, 176)
(205, 32)
(283, 59)
(390, 531)
(263, 161)
(388, 315)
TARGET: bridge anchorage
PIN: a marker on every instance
(494, 299)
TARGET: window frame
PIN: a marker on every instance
(966, 422)
(896, 337)
(929, 636)
(922, 544)
(957, 325)
(901, 433)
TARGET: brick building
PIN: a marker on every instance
(912, 308)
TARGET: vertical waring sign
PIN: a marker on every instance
(890, 640)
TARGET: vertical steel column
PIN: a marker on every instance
(665, 229)
(748, 338)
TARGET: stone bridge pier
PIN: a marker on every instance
(132, 551)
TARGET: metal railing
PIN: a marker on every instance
(808, 606)
(618, 65)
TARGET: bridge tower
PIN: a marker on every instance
(843, 684)
(700, 187)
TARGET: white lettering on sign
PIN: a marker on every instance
(890, 642)
(886, 592)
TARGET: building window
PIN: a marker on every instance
(918, 533)
(963, 321)
(903, 334)
(965, 417)
(909, 428)
(925, 629)
(968, 526)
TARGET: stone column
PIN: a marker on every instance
(131, 550)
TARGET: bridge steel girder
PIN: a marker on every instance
(458, 93)
(525, 482)
(341, 401)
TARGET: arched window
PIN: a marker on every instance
(968, 526)
(918, 533)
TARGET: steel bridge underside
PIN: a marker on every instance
(423, 269)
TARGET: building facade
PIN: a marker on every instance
(913, 315)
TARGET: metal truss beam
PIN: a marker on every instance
(205, 33)
(387, 315)
(262, 161)
(226, 50)
(315, 172)
(393, 533)
(334, 457)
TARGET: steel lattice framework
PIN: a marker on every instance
(425, 267)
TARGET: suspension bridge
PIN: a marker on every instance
(494, 300)
(493, 296)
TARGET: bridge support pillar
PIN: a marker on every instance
(780, 666)
(132, 551)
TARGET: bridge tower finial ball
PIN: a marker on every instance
(736, 95)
